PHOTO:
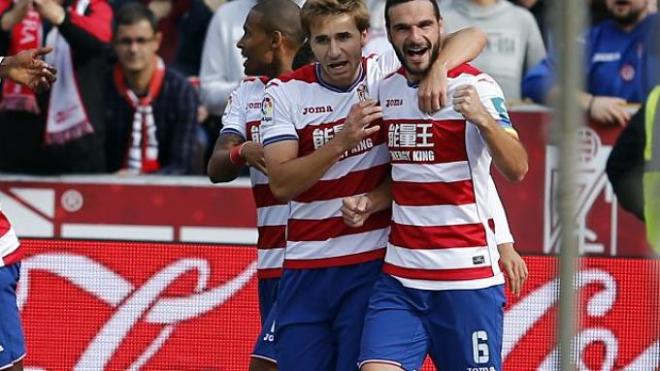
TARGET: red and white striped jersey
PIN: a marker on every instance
(242, 117)
(302, 107)
(442, 233)
(10, 251)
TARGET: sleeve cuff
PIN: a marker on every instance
(279, 138)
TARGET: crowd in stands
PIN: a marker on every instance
(142, 84)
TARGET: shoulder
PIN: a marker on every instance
(464, 69)
(305, 73)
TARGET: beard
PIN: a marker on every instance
(629, 17)
(414, 70)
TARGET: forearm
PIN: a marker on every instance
(220, 167)
(461, 47)
(12, 17)
(507, 152)
(290, 178)
(381, 197)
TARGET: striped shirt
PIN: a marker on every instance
(442, 233)
(242, 117)
(302, 107)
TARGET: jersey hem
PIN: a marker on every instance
(257, 356)
(4, 367)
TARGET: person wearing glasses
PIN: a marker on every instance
(151, 110)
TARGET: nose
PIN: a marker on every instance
(240, 44)
(334, 50)
(416, 33)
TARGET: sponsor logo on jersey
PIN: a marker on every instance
(254, 105)
(393, 102)
(316, 109)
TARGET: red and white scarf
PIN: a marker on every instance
(142, 156)
(27, 34)
(67, 117)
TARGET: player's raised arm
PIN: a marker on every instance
(507, 151)
(457, 48)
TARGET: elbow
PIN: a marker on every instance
(517, 173)
(281, 193)
(217, 175)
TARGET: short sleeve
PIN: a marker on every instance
(234, 117)
(492, 97)
(502, 231)
(277, 121)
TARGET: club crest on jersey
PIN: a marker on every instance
(363, 92)
(267, 109)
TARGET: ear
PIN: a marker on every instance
(277, 40)
(363, 37)
(441, 26)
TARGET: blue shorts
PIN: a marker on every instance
(265, 345)
(459, 329)
(12, 342)
(267, 296)
(320, 314)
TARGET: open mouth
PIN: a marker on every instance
(337, 65)
(416, 52)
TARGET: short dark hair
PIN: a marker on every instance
(133, 13)
(282, 16)
(391, 3)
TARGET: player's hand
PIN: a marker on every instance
(357, 124)
(28, 69)
(356, 210)
(609, 111)
(432, 92)
(466, 101)
(513, 266)
(253, 153)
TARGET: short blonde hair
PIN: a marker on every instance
(320, 8)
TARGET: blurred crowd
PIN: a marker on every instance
(142, 84)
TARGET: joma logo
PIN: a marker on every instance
(317, 109)
(393, 102)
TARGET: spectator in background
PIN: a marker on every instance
(60, 132)
(514, 39)
(613, 64)
(192, 26)
(151, 112)
(222, 64)
(633, 167)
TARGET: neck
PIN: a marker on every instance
(484, 2)
(139, 81)
(281, 66)
(342, 84)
